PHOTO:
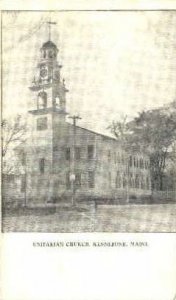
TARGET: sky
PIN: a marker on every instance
(114, 63)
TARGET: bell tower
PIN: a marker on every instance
(47, 86)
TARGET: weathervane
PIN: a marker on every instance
(49, 28)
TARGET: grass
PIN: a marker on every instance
(109, 218)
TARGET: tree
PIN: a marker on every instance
(13, 134)
(120, 129)
(153, 132)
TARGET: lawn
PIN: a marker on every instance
(119, 218)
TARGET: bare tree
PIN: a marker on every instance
(120, 129)
(13, 134)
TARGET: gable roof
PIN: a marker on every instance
(96, 133)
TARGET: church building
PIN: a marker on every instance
(65, 162)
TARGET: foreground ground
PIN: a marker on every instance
(119, 218)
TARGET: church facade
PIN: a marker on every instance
(63, 160)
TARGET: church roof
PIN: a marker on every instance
(96, 133)
(49, 44)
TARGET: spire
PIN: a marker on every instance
(49, 28)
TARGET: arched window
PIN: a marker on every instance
(44, 54)
(42, 100)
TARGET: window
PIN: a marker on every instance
(42, 100)
(131, 161)
(91, 179)
(23, 158)
(141, 163)
(77, 153)
(67, 153)
(109, 155)
(124, 181)
(137, 182)
(109, 179)
(142, 183)
(131, 183)
(10, 178)
(68, 182)
(78, 180)
(50, 54)
(90, 151)
(23, 183)
(42, 165)
(135, 162)
(57, 102)
(147, 183)
(42, 123)
(118, 180)
(55, 148)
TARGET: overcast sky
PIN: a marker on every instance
(114, 63)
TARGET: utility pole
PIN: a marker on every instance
(25, 179)
(127, 187)
(72, 175)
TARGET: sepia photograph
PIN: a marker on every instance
(88, 121)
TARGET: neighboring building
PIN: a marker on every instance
(56, 149)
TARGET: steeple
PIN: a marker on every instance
(48, 86)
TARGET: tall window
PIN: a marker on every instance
(42, 123)
(78, 179)
(137, 182)
(147, 183)
(141, 163)
(67, 153)
(124, 181)
(23, 184)
(23, 158)
(131, 161)
(42, 100)
(42, 165)
(118, 180)
(109, 155)
(134, 161)
(109, 179)
(131, 183)
(91, 179)
(77, 153)
(90, 151)
(142, 182)
(68, 182)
